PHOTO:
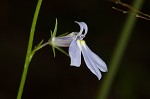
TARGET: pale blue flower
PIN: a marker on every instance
(78, 46)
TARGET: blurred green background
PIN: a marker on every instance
(50, 78)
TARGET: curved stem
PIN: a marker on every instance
(28, 59)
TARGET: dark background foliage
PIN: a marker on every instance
(53, 78)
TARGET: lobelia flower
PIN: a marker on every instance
(78, 46)
(61, 41)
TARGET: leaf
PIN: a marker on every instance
(39, 44)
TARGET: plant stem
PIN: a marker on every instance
(118, 52)
(28, 59)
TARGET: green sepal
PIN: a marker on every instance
(60, 49)
(53, 34)
(63, 34)
(55, 29)
(53, 48)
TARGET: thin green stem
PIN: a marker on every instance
(43, 45)
(118, 53)
(28, 59)
(38, 48)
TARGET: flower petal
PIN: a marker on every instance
(72, 34)
(83, 26)
(97, 60)
(63, 41)
(75, 53)
(89, 61)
